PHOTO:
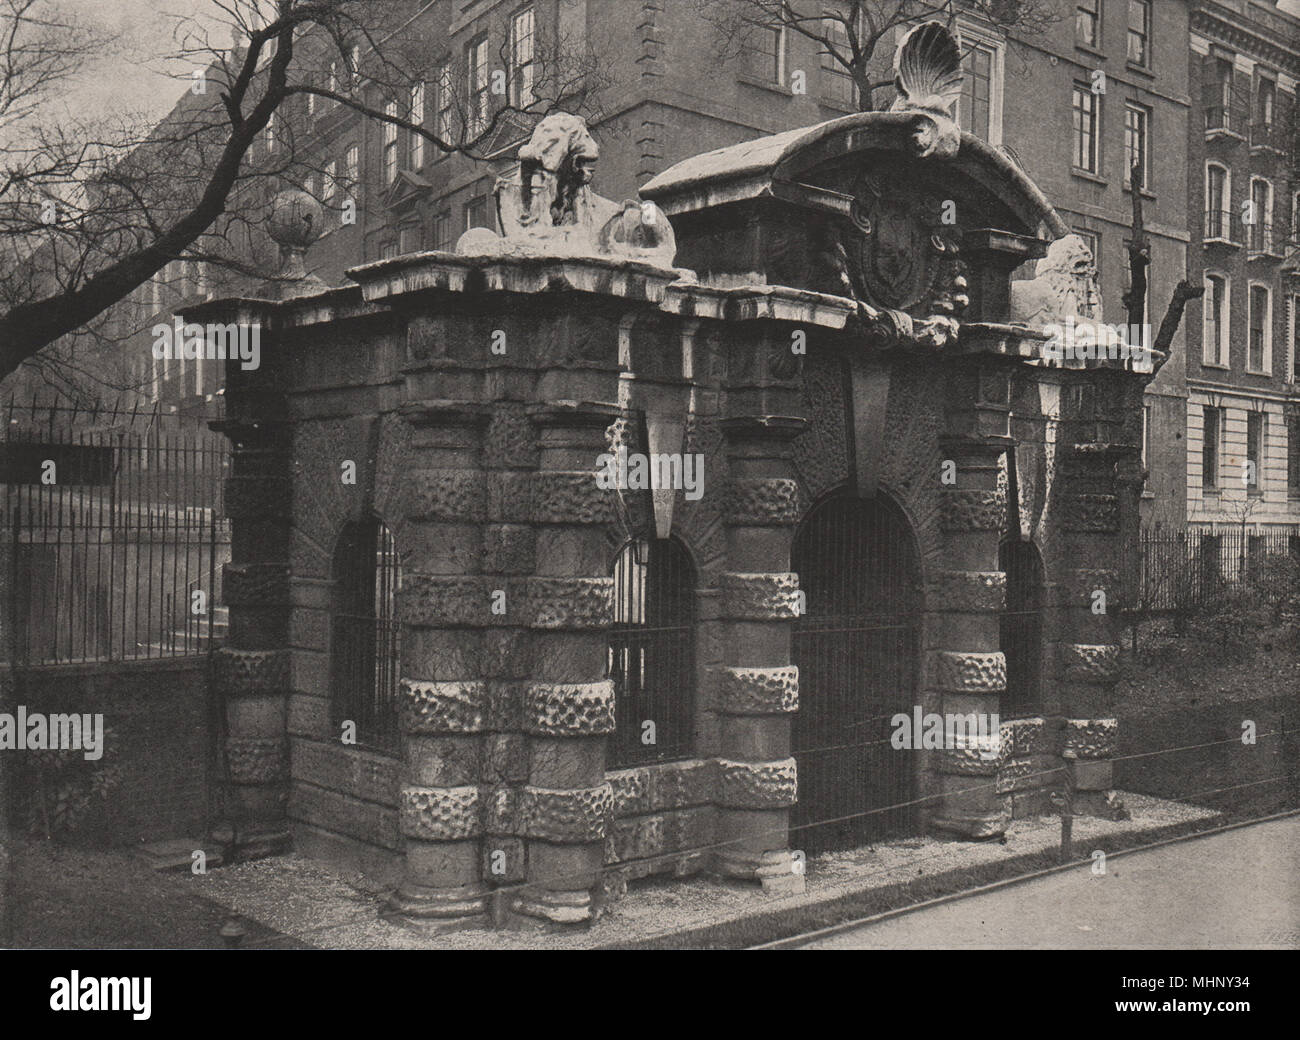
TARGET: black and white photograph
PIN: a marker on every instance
(573, 475)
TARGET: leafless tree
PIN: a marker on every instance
(90, 215)
(1139, 259)
(850, 32)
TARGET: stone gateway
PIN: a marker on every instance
(668, 681)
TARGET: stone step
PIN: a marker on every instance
(177, 854)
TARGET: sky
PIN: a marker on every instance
(131, 76)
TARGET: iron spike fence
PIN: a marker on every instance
(115, 534)
(1183, 570)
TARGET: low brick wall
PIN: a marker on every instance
(156, 774)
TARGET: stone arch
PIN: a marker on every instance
(858, 648)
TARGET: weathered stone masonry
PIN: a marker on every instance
(481, 462)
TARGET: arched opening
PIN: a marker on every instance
(652, 653)
(364, 634)
(1020, 629)
(857, 648)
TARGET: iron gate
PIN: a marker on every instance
(651, 653)
(1021, 628)
(857, 648)
(364, 646)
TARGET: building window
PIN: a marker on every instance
(443, 236)
(268, 134)
(1252, 475)
(1293, 455)
(1093, 241)
(1212, 422)
(975, 109)
(476, 66)
(477, 213)
(445, 102)
(1146, 435)
(522, 66)
(1217, 95)
(332, 80)
(1139, 32)
(330, 183)
(1260, 228)
(837, 83)
(410, 238)
(1085, 128)
(1217, 200)
(1265, 101)
(1137, 143)
(417, 118)
(1259, 348)
(764, 53)
(352, 167)
(388, 250)
(651, 653)
(390, 142)
(1214, 338)
(1294, 366)
(1087, 22)
(364, 634)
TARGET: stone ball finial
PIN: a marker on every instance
(295, 220)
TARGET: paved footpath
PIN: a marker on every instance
(1239, 889)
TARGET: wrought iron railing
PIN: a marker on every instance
(114, 534)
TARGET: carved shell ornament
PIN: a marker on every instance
(928, 76)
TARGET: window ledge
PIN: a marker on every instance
(1088, 48)
(1216, 365)
(765, 84)
(1263, 254)
(1148, 494)
(1145, 192)
(1223, 131)
(1259, 372)
(1087, 175)
(1265, 149)
(1219, 241)
(1140, 70)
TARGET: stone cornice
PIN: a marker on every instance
(1216, 24)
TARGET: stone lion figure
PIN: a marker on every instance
(550, 209)
(1062, 297)
(1064, 285)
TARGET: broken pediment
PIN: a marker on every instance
(891, 209)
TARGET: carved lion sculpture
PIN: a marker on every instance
(550, 209)
(1063, 293)
(1064, 285)
(555, 167)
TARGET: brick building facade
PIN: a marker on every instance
(1243, 429)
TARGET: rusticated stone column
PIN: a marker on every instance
(251, 671)
(1089, 651)
(967, 673)
(568, 704)
(445, 607)
(758, 687)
